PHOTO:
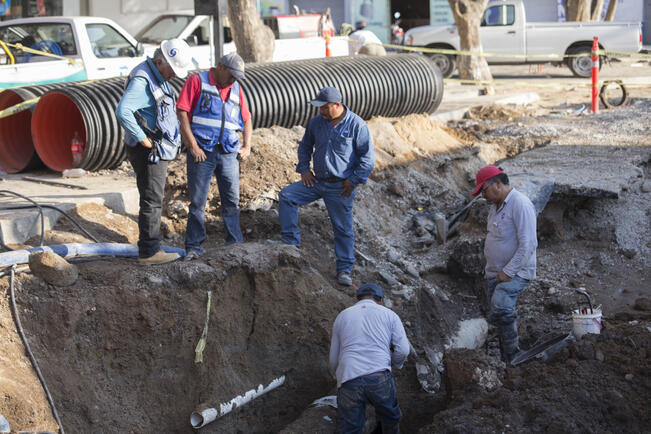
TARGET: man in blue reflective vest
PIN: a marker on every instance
(339, 144)
(212, 110)
(147, 113)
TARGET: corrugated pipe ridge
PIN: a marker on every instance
(16, 145)
(277, 93)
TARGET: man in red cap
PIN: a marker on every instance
(510, 252)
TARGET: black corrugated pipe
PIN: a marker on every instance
(278, 94)
(89, 111)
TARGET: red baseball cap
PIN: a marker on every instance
(484, 174)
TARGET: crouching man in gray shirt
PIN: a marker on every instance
(367, 339)
(510, 252)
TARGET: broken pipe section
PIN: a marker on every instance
(204, 416)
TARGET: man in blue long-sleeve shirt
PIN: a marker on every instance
(363, 337)
(510, 251)
(339, 144)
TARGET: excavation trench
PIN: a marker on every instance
(118, 346)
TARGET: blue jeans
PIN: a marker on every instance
(340, 210)
(377, 390)
(226, 168)
(502, 297)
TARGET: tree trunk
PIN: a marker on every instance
(254, 40)
(597, 7)
(577, 10)
(610, 13)
(467, 15)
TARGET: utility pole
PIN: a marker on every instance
(213, 9)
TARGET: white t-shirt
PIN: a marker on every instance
(360, 38)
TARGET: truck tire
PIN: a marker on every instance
(581, 66)
(445, 62)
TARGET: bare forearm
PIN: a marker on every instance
(186, 131)
(248, 132)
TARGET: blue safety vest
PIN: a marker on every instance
(215, 121)
(165, 135)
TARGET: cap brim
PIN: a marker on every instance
(318, 103)
(475, 192)
(237, 73)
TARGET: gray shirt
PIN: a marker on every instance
(361, 340)
(511, 241)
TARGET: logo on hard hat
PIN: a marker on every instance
(173, 52)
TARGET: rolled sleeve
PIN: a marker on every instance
(134, 99)
(365, 156)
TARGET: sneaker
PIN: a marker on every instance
(343, 278)
(160, 258)
(274, 242)
(192, 254)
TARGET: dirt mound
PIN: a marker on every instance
(501, 112)
(599, 384)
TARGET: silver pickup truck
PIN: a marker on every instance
(504, 31)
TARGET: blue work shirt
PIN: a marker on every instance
(344, 151)
(362, 336)
(138, 97)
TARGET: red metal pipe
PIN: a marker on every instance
(55, 120)
(16, 146)
(595, 75)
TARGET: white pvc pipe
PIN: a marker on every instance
(203, 417)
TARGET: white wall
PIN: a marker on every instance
(133, 15)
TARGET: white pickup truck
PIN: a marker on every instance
(195, 29)
(96, 48)
(505, 31)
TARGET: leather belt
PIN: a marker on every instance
(331, 179)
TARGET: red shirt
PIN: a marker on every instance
(191, 92)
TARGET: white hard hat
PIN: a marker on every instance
(177, 54)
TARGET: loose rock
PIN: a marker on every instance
(53, 268)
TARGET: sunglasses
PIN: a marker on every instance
(485, 187)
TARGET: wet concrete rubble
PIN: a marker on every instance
(118, 343)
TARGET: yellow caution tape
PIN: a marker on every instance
(553, 56)
(21, 47)
(25, 105)
(8, 51)
(201, 345)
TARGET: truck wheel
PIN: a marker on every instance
(582, 66)
(445, 62)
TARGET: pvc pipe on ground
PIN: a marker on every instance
(202, 417)
(76, 250)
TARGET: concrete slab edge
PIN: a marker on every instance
(455, 115)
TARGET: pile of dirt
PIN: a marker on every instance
(502, 112)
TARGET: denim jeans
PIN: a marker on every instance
(340, 210)
(150, 179)
(377, 390)
(226, 168)
(502, 297)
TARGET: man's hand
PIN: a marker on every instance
(243, 152)
(308, 179)
(503, 277)
(146, 143)
(197, 153)
(347, 189)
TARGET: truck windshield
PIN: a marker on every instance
(164, 27)
(54, 38)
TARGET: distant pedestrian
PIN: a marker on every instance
(147, 112)
(510, 251)
(363, 41)
(367, 338)
(212, 110)
(339, 144)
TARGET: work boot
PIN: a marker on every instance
(509, 340)
(191, 255)
(159, 258)
(344, 279)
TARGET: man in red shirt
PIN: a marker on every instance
(212, 110)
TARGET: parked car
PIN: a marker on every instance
(96, 48)
(195, 30)
(504, 30)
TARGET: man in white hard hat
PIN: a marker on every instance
(147, 112)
